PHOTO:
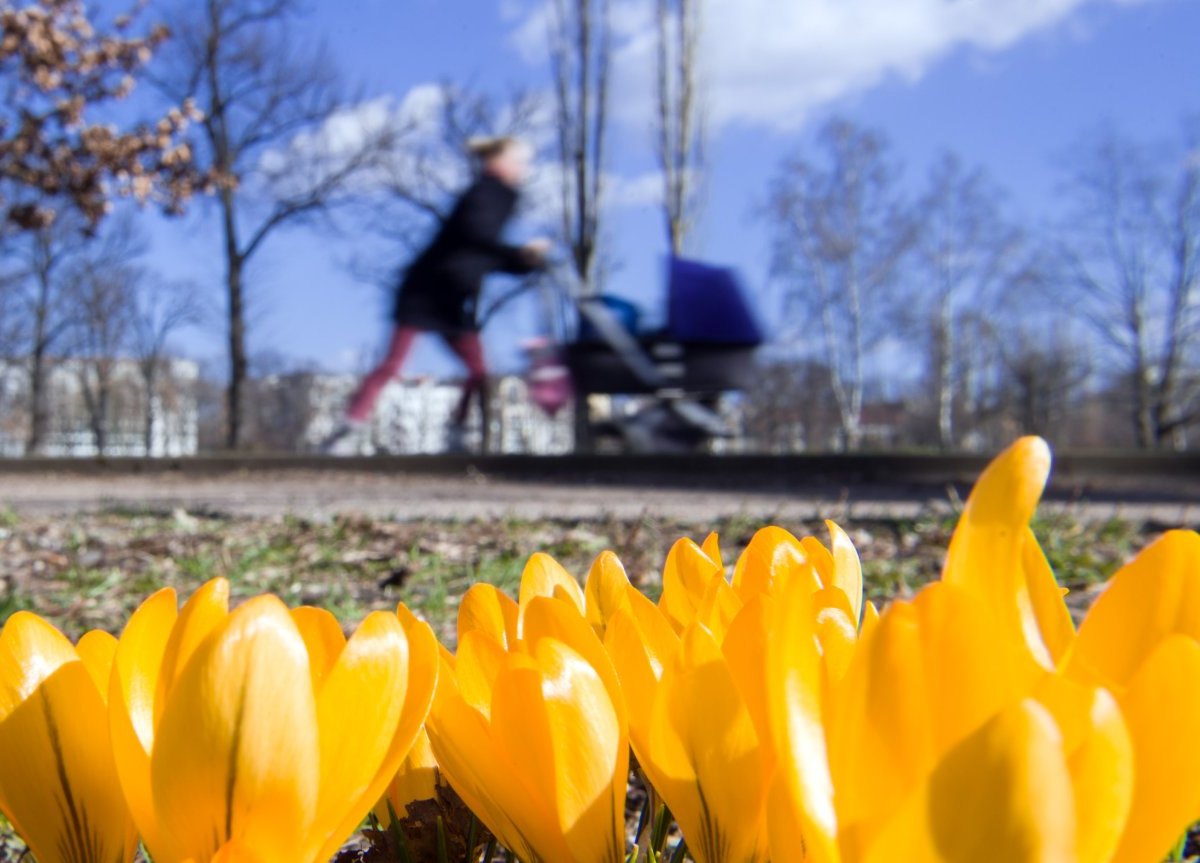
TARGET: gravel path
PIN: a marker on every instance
(323, 494)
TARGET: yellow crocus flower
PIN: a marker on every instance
(260, 734)
(693, 727)
(58, 780)
(533, 737)
(603, 592)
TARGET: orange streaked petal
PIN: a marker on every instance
(57, 775)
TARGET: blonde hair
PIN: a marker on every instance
(485, 148)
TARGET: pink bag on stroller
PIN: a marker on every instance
(548, 379)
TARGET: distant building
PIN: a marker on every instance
(412, 417)
(166, 426)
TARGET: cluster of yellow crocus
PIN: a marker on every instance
(259, 735)
(778, 716)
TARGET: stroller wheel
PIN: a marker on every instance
(659, 430)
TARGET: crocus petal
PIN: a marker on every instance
(236, 754)
(97, 650)
(1151, 597)
(358, 709)
(772, 557)
(795, 707)
(572, 745)
(485, 609)
(131, 707)
(640, 643)
(1052, 615)
(542, 576)
(556, 620)
(423, 674)
(323, 638)
(837, 632)
(705, 742)
(478, 663)
(847, 568)
(718, 607)
(1099, 756)
(1002, 794)
(820, 558)
(58, 780)
(712, 547)
(30, 651)
(986, 551)
(1162, 711)
(200, 615)
(870, 619)
(932, 672)
(480, 771)
(686, 576)
(605, 591)
(59, 777)
(745, 647)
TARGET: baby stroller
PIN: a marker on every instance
(673, 377)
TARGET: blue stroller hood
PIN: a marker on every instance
(705, 304)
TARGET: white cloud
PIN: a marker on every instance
(771, 62)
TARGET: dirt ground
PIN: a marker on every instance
(402, 497)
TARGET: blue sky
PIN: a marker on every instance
(1007, 84)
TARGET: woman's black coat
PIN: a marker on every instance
(441, 287)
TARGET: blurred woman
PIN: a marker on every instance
(440, 290)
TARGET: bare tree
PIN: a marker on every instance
(161, 310)
(1134, 246)
(102, 289)
(267, 96)
(679, 117)
(56, 68)
(580, 54)
(968, 258)
(39, 298)
(841, 231)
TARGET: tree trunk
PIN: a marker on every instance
(148, 380)
(237, 324)
(1143, 410)
(945, 373)
(100, 420)
(37, 401)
